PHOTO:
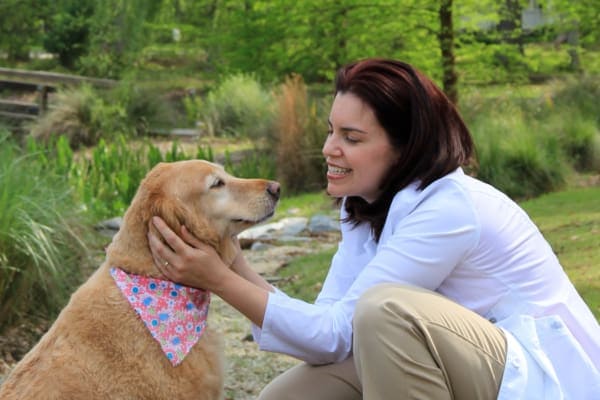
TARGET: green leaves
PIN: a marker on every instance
(42, 234)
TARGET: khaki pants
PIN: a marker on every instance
(409, 343)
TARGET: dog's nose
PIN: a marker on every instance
(274, 189)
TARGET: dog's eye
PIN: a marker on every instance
(217, 183)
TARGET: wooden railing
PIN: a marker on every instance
(42, 83)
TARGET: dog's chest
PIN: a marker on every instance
(173, 314)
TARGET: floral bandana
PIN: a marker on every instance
(174, 314)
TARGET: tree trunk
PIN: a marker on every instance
(446, 38)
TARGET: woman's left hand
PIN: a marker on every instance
(186, 260)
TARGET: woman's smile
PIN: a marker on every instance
(335, 172)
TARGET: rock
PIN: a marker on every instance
(285, 227)
(109, 227)
(323, 223)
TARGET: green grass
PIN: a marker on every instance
(305, 204)
(304, 276)
(570, 221)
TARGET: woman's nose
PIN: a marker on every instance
(331, 147)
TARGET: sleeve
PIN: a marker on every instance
(422, 250)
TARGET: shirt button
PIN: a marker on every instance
(556, 325)
(493, 320)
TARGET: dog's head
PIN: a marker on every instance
(213, 205)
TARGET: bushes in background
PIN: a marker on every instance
(531, 145)
(239, 106)
(85, 115)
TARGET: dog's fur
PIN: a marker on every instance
(98, 348)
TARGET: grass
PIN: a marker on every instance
(570, 221)
(42, 240)
(305, 204)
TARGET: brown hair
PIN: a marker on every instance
(420, 121)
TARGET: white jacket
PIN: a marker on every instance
(471, 243)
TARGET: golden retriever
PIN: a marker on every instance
(98, 347)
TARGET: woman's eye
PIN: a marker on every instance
(351, 139)
(217, 183)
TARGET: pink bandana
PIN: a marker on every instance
(174, 314)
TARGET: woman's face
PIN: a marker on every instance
(357, 150)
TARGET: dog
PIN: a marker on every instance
(99, 347)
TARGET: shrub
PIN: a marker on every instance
(574, 118)
(515, 152)
(238, 106)
(522, 168)
(42, 237)
(82, 116)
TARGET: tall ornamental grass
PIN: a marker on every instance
(43, 248)
(301, 129)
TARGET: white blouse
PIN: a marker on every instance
(469, 242)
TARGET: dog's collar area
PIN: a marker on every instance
(174, 314)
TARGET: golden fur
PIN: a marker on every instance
(98, 348)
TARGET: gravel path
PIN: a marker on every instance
(248, 369)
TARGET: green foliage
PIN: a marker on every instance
(20, 26)
(85, 115)
(253, 164)
(42, 236)
(530, 145)
(238, 106)
(116, 36)
(67, 30)
(82, 116)
(145, 108)
(106, 181)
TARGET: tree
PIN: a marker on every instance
(446, 37)
(67, 30)
(116, 34)
(20, 26)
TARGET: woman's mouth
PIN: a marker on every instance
(334, 171)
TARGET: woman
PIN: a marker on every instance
(441, 288)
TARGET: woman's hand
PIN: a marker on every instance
(186, 260)
(190, 262)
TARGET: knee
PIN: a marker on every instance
(382, 304)
(289, 385)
